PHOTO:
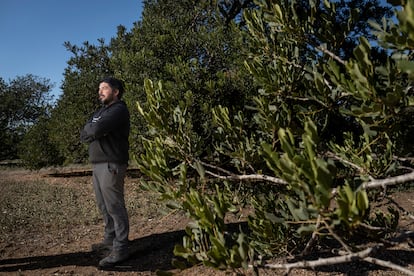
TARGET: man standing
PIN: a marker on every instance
(107, 135)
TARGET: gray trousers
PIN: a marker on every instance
(108, 183)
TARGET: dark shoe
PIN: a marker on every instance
(106, 245)
(115, 257)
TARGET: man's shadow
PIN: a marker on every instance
(150, 253)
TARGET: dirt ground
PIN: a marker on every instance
(67, 251)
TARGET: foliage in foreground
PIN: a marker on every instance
(304, 183)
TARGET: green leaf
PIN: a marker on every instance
(362, 201)
(305, 229)
(406, 66)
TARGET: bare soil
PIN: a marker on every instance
(67, 250)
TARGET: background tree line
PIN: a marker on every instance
(286, 107)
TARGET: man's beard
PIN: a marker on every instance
(107, 100)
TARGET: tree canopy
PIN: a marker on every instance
(22, 102)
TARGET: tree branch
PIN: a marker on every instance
(232, 176)
(389, 265)
(389, 181)
(384, 182)
(363, 255)
(313, 238)
(346, 162)
(332, 55)
(326, 261)
(252, 177)
(261, 177)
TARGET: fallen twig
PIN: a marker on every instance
(326, 261)
(389, 265)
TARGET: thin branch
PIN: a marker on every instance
(215, 167)
(252, 177)
(406, 168)
(307, 99)
(344, 245)
(314, 237)
(403, 236)
(332, 55)
(389, 265)
(407, 159)
(389, 181)
(373, 228)
(398, 240)
(358, 168)
(232, 176)
(261, 177)
(384, 182)
(326, 261)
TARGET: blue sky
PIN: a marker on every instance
(33, 32)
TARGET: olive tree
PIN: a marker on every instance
(304, 179)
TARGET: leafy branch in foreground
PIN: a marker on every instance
(291, 178)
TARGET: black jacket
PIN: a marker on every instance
(107, 132)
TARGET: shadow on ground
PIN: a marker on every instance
(150, 253)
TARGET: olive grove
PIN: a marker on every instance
(271, 124)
